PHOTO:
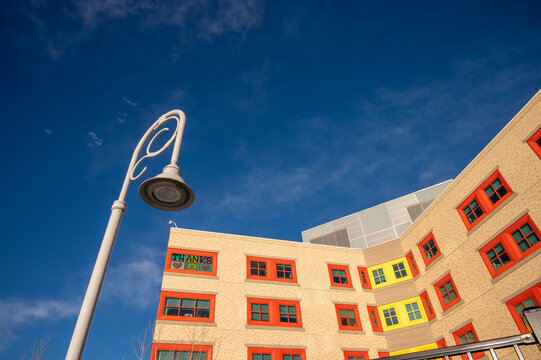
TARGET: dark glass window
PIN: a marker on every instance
(283, 271)
(473, 211)
(497, 256)
(288, 314)
(525, 237)
(379, 276)
(347, 317)
(339, 276)
(400, 270)
(430, 249)
(258, 268)
(495, 191)
(261, 356)
(390, 317)
(260, 312)
(448, 292)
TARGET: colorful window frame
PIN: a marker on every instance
(375, 321)
(285, 313)
(191, 262)
(487, 197)
(348, 317)
(270, 269)
(383, 354)
(379, 276)
(399, 270)
(429, 249)
(511, 246)
(535, 142)
(276, 354)
(412, 264)
(364, 277)
(530, 297)
(447, 292)
(181, 352)
(356, 355)
(200, 306)
(427, 305)
(467, 335)
(441, 343)
(339, 275)
(390, 316)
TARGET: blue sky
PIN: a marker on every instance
(297, 113)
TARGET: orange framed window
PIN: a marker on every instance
(275, 354)
(511, 246)
(181, 352)
(412, 264)
(348, 317)
(271, 269)
(535, 142)
(274, 312)
(529, 298)
(467, 335)
(375, 321)
(447, 292)
(339, 275)
(484, 200)
(429, 249)
(441, 343)
(383, 354)
(356, 355)
(191, 262)
(427, 305)
(186, 307)
(365, 279)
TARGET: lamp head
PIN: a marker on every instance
(167, 191)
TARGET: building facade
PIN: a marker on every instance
(462, 270)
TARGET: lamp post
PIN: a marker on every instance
(166, 191)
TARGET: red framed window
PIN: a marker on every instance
(412, 264)
(356, 355)
(339, 275)
(348, 317)
(441, 343)
(427, 305)
(529, 298)
(429, 249)
(271, 269)
(447, 292)
(383, 354)
(467, 335)
(535, 142)
(375, 321)
(511, 246)
(275, 354)
(181, 352)
(484, 199)
(274, 312)
(191, 262)
(365, 279)
(186, 307)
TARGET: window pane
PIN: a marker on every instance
(526, 229)
(255, 307)
(351, 314)
(264, 307)
(255, 316)
(343, 313)
(335, 272)
(182, 355)
(171, 311)
(529, 302)
(532, 239)
(286, 357)
(172, 301)
(256, 356)
(265, 317)
(470, 337)
(296, 357)
(292, 310)
(342, 273)
(266, 357)
(203, 304)
(165, 355)
(188, 302)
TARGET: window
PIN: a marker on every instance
(412, 264)
(365, 280)
(414, 313)
(427, 305)
(390, 317)
(339, 275)
(379, 276)
(511, 246)
(191, 262)
(275, 354)
(274, 312)
(348, 317)
(484, 199)
(186, 307)
(467, 335)
(441, 343)
(399, 270)
(429, 249)
(446, 291)
(383, 354)
(375, 321)
(529, 298)
(181, 352)
(535, 142)
(355, 355)
(271, 269)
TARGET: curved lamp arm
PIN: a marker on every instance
(167, 191)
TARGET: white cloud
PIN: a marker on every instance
(129, 102)
(47, 132)
(95, 140)
(16, 314)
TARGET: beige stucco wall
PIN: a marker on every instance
(483, 298)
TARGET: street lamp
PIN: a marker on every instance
(166, 191)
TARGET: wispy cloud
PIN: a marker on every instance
(78, 19)
(17, 314)
(94, 140)
(47, 132)
(129, 102)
